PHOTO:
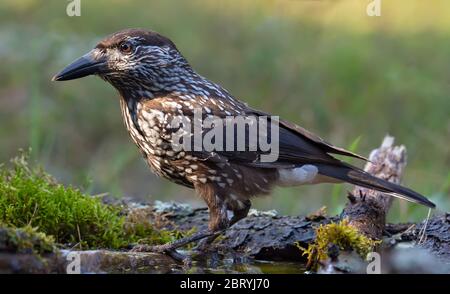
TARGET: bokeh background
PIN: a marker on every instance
(323, 64)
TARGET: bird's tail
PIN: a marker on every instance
(361, 178)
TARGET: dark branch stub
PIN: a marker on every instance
(367, 209)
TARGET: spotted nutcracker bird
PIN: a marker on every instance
(156, 84)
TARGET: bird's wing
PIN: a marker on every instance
(316, 140)
(295, 145)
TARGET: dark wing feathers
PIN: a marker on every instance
(314, 139)
(297, 146)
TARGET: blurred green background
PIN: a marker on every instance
(325, 65)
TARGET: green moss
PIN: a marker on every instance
(32, 198)
(140, 229)
(25, 240)
(341, 234)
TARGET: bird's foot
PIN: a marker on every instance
(170, 248)
(202, 246)
(163, 249)
(205, 244)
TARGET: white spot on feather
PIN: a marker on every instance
(297, 176)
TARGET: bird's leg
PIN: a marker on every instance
(238, 214)
(218, 219)
(170, 248)
(218, 222)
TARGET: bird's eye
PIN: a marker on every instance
(125, 47)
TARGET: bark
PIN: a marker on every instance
(261, 235)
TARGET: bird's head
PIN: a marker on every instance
(132, 60)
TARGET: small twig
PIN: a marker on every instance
(75, 246)
(101, 195)
(34, 213)
(79, 237)
(409, 229)
(423, 229)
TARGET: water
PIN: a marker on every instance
(104, 261)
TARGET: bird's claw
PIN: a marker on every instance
(202, 246)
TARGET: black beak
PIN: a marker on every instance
(84, 66)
